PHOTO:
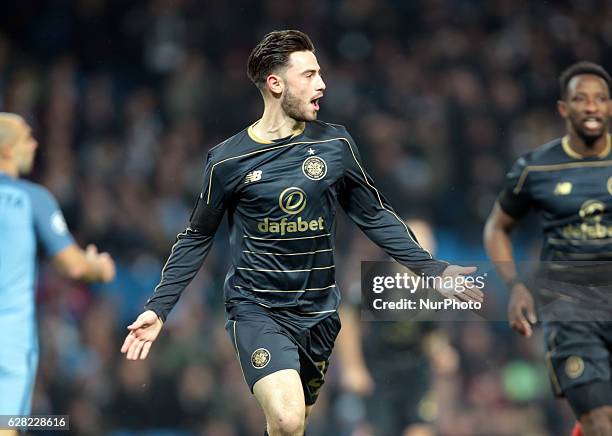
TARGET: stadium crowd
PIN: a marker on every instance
(126, 99)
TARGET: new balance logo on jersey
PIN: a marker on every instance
(253, 176)
(563, 188)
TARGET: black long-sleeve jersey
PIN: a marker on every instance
(572, 195)
(280, 198)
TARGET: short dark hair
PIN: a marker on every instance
(578, 69)
(273, 52)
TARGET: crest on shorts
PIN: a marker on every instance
(260, 358)
(314, 168)
(574, 366)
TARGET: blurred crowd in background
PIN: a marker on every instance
(127, 97)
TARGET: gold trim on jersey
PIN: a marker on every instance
(287, 239)
(317, 268)
(381, 203)
(212, 169)
(238, 351)
(319, 142)
(254, 137)
(579, 242)
(183, 233)
(288, 254)
(567, 148)
(286, 291)
(552, 374)
(555, 167)
(582, 256)
(575, 155)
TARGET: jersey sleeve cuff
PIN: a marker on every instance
(161, 314)
(429, 268)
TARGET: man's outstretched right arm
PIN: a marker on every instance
(192, 246)
(186, 257)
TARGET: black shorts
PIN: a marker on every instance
(393, 407)
(579, 360)
(265, 343)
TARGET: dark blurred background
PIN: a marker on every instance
(127, 97)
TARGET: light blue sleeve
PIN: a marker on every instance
(51, 228)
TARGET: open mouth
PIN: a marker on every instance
(592, 123)
(315, 103)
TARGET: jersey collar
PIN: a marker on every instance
(259, 140)
(575, 155)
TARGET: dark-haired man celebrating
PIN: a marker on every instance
(279, 181)
(569, 183)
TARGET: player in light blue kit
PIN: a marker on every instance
(29, 215)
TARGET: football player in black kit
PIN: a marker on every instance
(279, 181)
(568, 182)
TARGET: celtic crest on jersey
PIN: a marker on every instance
(314, 168)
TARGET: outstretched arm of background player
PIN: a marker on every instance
(354, 374)
(368, 208)
(521, 308)
(67, 256)
(87, 265)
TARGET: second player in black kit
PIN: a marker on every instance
(572, 193)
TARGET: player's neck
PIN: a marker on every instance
(276, 124)
(598, 148)
(8, 168)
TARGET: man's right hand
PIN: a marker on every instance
(143, 333)
(104, 264)
(521, 304)
(357, 379)
(469, 292)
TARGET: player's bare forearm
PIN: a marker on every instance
(521, 308)
(349, 343)
(498, 243)
(354, 375)
(87, 265)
